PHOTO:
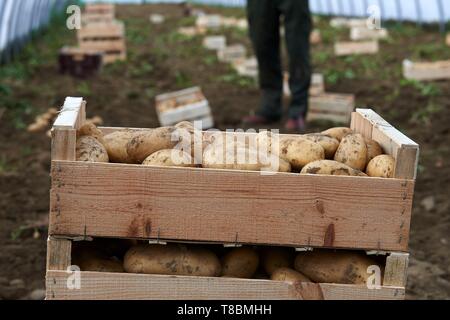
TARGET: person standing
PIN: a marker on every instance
(264, 24)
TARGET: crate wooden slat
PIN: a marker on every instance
(356, 48)
(98, 12)
(210, 21)
(347, 23)
(113, 286)
(80, 62)
(215, 42)
(184, 105)
(247, 67)
(336, 107)
(424, 71)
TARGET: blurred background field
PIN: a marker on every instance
(161, 60)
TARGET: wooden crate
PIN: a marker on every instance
(185, 105)
(336, 107)
(247, 67)
(215, 42)
(317, 85)
(80, 62)
(209, 21)
(364, 33)
(127, 286)
(99, 12)
(424, 71)
(191, 31)
(356, 48)
(226, 207)
(447, 40)
(106, 37)
(347, 23)
(315, 37)
(232, 53)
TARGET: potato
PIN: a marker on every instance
(89, 129)
(90, 259)
(352, 151)
(144, 144)
(343, 267)
(330, 167)
(382, 166)
(299, 152)
(195, 136)
(274, 258)
(338, 133)
(90, 149)
(116, 146)
(172, 259)
(240, 263)
(217, 156)
(328, 143)
(373, 149)
(169, 158)
(288, 275)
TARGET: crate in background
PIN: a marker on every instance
(247, 67)
(80, 62)
(106, 37)
(356, 48)
(364, 33)
(185, 105)
(215, 42)
(99, 12)
(336, 107)
(209, 21)
(232, 53)
(426, 71)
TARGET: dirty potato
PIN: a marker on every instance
(274, 258)
(169, 158)
(145, 143)
(326, 266)
(382, 167)
(289, 275)
(328, 143)
(299, 152)
(373, 149)
(240, 263)
(89, 149)
(352, 151)
(337, 133)
(172, 259)
(330, 167)
(116, 145)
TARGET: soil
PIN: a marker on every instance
(159, 61)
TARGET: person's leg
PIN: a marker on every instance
(264, 26)
(297, 17)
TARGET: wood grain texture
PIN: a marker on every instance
(122, 286)
(131, 201)
(58, 254)
(403, 149)
(356, 48)
(395, 273)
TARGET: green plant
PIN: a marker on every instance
(182, 80)
(83, 89)
(424, 115)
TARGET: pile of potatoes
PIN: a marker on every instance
(337, 151)
(266, 263)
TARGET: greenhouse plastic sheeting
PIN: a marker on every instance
(414, 10)
(18, 18)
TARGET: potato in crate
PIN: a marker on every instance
(185, 105)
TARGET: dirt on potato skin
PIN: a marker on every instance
(160, 61)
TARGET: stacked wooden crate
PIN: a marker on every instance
(80, 62)
(226, 207)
